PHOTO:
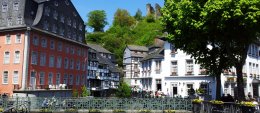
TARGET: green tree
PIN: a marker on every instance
(85, 92)
(75, 93)
(122, 18)
(138, 15)
(97, 20)
(228, 26)
(124, 90)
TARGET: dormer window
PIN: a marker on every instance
(56, 3)
(74, 24)
(80, 39)
(69, 34)
(54, 28)
(19, 20)
(47, 11)
(61, 31)
(55, 15)
(80, 27)
(67, 2)
(15, 6)
(45, 25)
(74, 36)
(9, 21)
(69, 22)
(62, 18)
(4, 7)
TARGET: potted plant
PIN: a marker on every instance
(247, 107)
(217, 106)
(196, 105)
(168, 111)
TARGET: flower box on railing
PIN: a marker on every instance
(247, 107)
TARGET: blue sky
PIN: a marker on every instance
(110, 6)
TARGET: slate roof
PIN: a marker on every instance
(137, 48)
(157, 54)
(111, 66)
(40, 1)
(98, 48)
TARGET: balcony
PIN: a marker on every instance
(44, 88)
(137, 70)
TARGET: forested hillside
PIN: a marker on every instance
(126, 29)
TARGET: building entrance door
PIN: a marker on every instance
(255, 90)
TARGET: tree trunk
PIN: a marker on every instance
(218, 86)
(240, 82)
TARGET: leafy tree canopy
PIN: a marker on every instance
(97, 20)
(122, 18)
(138, 15)
(228, 26)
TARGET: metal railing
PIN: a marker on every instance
(64, 104)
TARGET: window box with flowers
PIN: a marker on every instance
(217, 106)
(196, 105)
(247, 107)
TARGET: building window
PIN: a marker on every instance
(19, 20)
(7, 57)
(18, 38)
(80, 38)
(72, 51)
(67, 50)
(173, 49)
(8, 39)
(74, 24)
(34, 58)
(157, 66)
(80, 27)
(5, 77)
(189, 67)
(190, 88)
(4, 7)
(78, 65)
(65, 79)
(9, 21)
(35, 41)
(47, 11)
(15, 6)
(69, 22)
(59, 46)
(55, 15)
(17, 57)
(50, 79)
(52, 44)
(51, 61)
(15, 77)
(45, 25)
(59, 62)
(79, 52)
(57, 78)
(62, 18)
(43, 59)
(174, 68)
(43, 42)
(61, 31)
(204, 87)
(54, 28)
(71, 80)
(66, 63)
(42, 77)
(159, 84)
(71, 64)
(77, 80)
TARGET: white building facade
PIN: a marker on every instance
(173, 72)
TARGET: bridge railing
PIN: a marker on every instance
(63, 104)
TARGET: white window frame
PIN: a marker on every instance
(66, 63)
(51, 61)
(34, 58)
(16, 6)
(7, 57)
(35, 41)
(52, 44)
(43, 59)
(17, 57)
(8, 39)
(70, 79)
(78, 65)
(4, 7)
(174, 68)
(58, 77)
(189, 66)
(42, 78)
(50, 78)
(44, 42)
(18, 39)
(59, 46)
(59, 62)
(65, 79)
(15, 77)
(71, 64)
(5, 79)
